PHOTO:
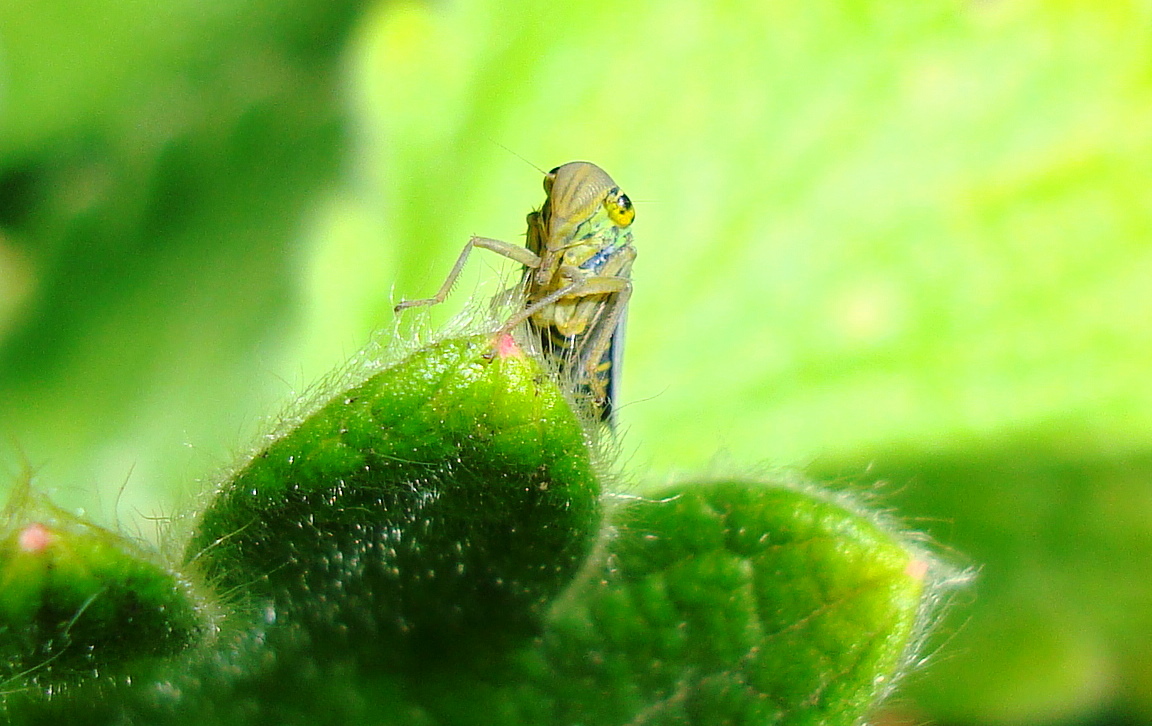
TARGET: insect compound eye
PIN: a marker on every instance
(619, 208)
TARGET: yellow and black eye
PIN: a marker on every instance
(619, 208)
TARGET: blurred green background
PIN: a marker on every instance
(904, 243)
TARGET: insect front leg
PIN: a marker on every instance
(513, 252)
(568, 290)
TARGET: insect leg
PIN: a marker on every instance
(513, 252)
(572, 288)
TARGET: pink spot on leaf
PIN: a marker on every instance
(917, 569)
(35, 538)
(506, 347)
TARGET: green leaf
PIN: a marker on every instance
(79, 602)
(419, 550)
(435, 508)
(719, 602)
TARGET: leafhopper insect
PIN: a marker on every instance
(576, 282)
